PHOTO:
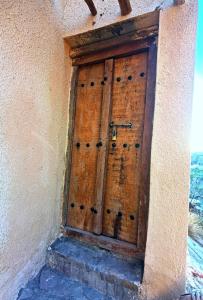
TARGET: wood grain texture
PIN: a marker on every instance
(108, 186)
(81, 202)
(118, 40)
(124, 159)
(102, 150)
(91, 6)
(146, 147)
(125, 7)
(123, 248)
(125, 49)
(116, 30)
(73, 92)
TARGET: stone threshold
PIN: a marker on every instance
(53, 285)
(99, 269)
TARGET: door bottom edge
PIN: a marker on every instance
(122, 248)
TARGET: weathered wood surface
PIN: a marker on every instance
(124, 49)
(109, 180)
(123, 248)
(146, 146)
(117, 30)
(124, 160)
(81, 204)
(117, 41)
(73, 92)
(125, 7)
(91, 6)
(103, 148)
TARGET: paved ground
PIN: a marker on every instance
(52, 285)
(97, 268)
(78, 271)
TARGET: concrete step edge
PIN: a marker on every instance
(78, 267)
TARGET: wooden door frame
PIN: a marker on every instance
(97, 52)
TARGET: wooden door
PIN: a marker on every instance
(110, 149)
(121, 200)
(86, 138)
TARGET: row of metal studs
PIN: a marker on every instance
(82, 207)
(113, 145)
(108, 211)
(92, 83)
(142, 74)
(88, 145)
(120, 214)
(118, 79)
(125, 145)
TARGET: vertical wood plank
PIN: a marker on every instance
(146, 150)
(81, 204)
(102, 152)
(91, 6)
(125, 7)
(121, 201)
(69, 148)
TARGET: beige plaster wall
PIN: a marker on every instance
(165, 263)
(75, 17)
(33, 119)
(33, 114)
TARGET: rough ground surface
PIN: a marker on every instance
(52, 285)
(78, 271)
(195, 266)
(195, 239)
(107, 273)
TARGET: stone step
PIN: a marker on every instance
(53, 285)
(97, 268)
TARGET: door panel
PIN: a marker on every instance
(103, 149)
(105, 176)
(84, 150)
(121, 202)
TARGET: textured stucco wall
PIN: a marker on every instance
(75, 17)
(33, 119)
(33, 128)
(165, 262)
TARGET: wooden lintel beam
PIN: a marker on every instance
(179, 2)
(92, 7)
(125, 7)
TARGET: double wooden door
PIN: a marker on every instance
(106, 185)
